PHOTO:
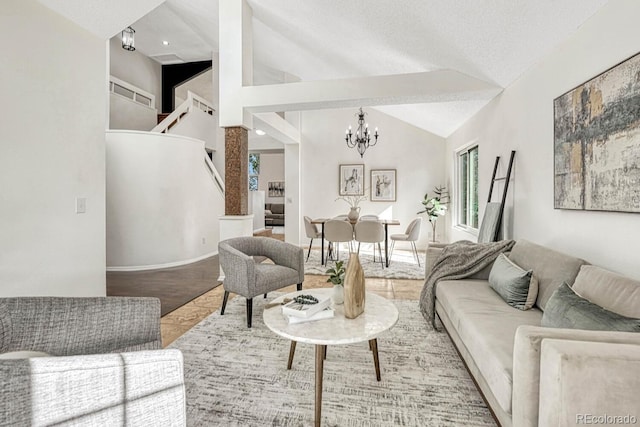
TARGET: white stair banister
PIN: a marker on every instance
(192, 101)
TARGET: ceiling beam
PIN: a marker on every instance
(277, 127)
(416, 88)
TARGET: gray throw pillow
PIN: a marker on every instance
(566, 309)
(518, 287)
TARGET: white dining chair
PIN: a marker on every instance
(369, 218)
(411, 234)
(312, 233)
(337, 231)
(368, 231)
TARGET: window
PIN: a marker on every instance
(467, 165)
(254, 171)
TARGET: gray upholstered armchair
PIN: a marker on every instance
(87, 361)
(244, 276)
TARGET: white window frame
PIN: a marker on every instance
(467, 148)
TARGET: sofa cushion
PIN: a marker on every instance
(550, 267)
(609, 290)
(277, 208)
(517, 287)
(487, 327)
(566, 309)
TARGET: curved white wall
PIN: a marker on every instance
(162, 205)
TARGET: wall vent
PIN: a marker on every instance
(168, 59)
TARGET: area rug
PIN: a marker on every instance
(403, 264)
(237, 376)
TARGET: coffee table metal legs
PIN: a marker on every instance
(373, 345)
(321, 351)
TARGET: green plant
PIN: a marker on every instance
(435, 206)
(336, 274)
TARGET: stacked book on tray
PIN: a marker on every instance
(311, 310)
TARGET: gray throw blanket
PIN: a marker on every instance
(456, 261)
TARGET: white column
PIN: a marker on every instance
(292, 193)
(236, 61)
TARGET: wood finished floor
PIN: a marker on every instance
(174, 286)
(179, 321)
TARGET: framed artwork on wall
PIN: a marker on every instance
(597, 142)
(276, 188)
(383, 185)
(351, 180)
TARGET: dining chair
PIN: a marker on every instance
(369, 218)
(312, 232)
(411, 234)
(337, 231)
(368, 231)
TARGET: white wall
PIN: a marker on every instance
(256, 208)
(201, 85)
(136, 68)
(415, 154)
(127, 114)
(162, 205)
(199, 125)
(522, 119)
(271, 169)
(51, 151)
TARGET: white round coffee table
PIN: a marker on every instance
(379, 316)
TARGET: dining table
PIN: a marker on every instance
(385, 222)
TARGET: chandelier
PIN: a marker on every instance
(128, 39)
(362, 139)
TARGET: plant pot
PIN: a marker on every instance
(337, 297)
(353, 288)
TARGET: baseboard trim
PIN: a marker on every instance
(160, 266)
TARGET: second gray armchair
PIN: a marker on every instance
(243, 276)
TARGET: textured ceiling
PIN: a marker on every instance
(102, 18)
(493, 40)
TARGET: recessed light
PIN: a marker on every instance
(164, 42)
(260, 132)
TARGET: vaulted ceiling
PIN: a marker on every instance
(492, 40)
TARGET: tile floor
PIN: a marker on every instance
(179, 321)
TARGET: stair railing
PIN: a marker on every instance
(192, 101)
(217, 179)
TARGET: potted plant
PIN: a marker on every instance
(435, 207)
(336, 276)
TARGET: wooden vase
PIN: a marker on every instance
(353, 288)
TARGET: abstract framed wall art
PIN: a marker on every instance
(351, 180)
(383, 185)
(276, 188)
(597, 142)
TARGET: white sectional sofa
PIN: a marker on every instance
(531, 375)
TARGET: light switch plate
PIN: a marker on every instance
(81, 205)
